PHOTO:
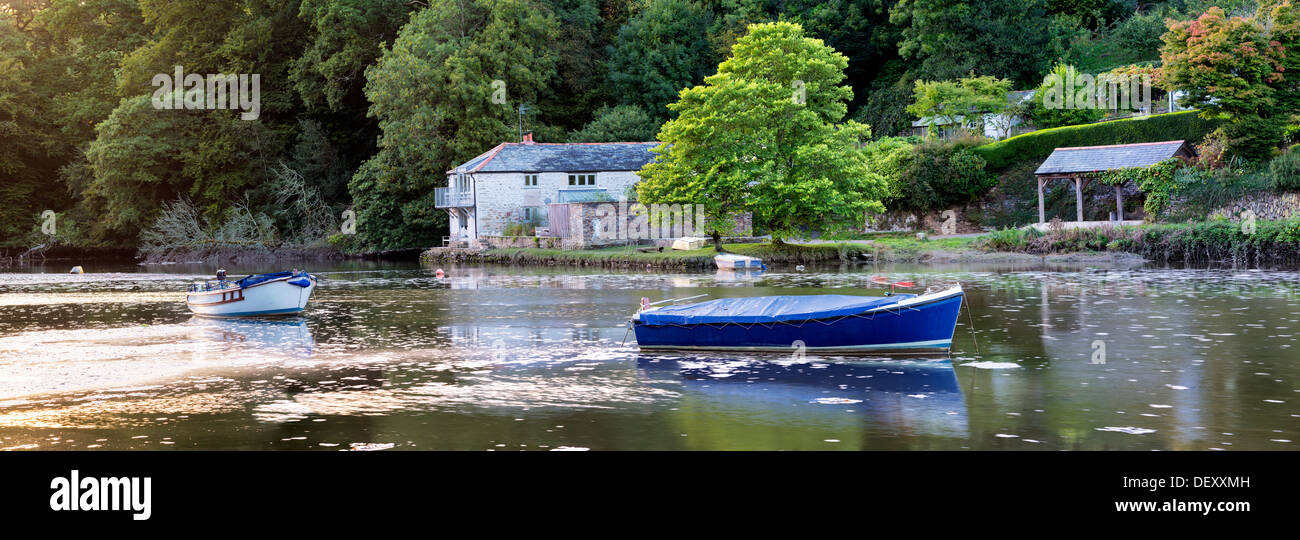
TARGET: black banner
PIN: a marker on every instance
(185, 488)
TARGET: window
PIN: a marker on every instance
(530, 180)
(582, 179)
(530, 213)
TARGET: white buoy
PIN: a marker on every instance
(76, 270)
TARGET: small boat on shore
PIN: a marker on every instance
(831, 324)
(258, 295)
(731, 261)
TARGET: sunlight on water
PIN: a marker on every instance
(494, 358)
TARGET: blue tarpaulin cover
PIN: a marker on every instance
(258, 278)
(766, 309)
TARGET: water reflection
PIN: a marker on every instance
(504, 357)
(914, 397)
(289, 337)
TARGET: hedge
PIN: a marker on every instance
(1037, 145)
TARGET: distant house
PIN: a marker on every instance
(515, 182)
(996, 126)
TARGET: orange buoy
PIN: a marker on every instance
(439, 273)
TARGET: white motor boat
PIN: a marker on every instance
(731, 261)
(258, 295)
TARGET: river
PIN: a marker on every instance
(388, 356)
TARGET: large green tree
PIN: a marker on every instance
(144, 157)
(435, 93)
(764, 135)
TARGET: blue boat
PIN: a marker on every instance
(830, 324)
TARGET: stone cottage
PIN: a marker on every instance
(516, 182)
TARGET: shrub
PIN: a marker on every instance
(1037, 145)
(1253, 138)
(617, 124)
(934, 175)
(1284, 170)
(1044, 117)
(1008, 239)
(519, 229)
(1201, 190)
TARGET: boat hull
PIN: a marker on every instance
(920, 325)
(267, 299)
(737, 262)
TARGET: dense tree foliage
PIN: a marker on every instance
(1009, 39)
(1242, 67)
(364, 104)
(467, 50)
(660, 50)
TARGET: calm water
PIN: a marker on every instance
(506, 358)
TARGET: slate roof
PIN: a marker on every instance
(561, 157)
(1082, 159)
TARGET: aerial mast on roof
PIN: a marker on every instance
(523, 109)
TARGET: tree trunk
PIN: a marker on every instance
(717, 241)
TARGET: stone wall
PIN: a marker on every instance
(1266, 206)
(597, 224)
(499, 242)
(932, 222)
(502, 197)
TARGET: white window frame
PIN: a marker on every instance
(530, 180)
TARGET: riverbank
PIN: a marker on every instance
(1260, 243)
(884, 249)
(629, 257)
(77, 255)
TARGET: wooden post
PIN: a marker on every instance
(1078, 197)
(1119, 203)
(1040, 201)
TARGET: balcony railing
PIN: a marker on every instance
(448, 198)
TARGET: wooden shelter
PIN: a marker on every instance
(1081, 163)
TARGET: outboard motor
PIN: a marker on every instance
(221, 274)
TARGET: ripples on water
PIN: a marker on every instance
(508, 358)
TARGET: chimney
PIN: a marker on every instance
(528, 137)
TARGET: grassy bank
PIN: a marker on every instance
(898, 248)
(626, 257)
(1269, 243)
